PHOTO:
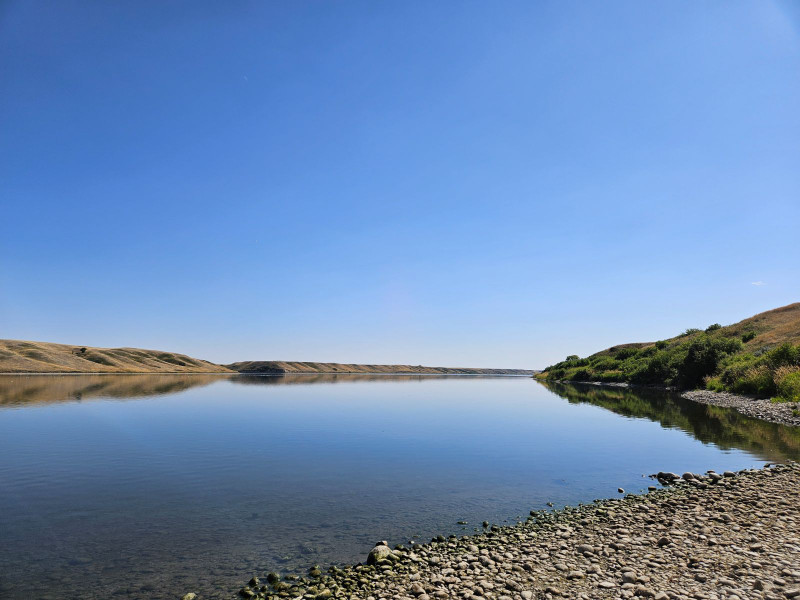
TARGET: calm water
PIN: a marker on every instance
(138, 486)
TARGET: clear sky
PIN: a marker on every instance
(451, 183)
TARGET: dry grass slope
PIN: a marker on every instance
(771, 328)
(18, 356)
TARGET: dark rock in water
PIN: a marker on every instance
(688, 476)
(485, 523)
(729, 474)
(254, 582)
(272, 578)
(620, 490)
(246, 593)
(380, 552)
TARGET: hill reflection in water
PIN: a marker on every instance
(724, 427)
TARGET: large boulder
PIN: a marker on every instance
(381, 551)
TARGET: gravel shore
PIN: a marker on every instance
(710, 536)
(784, 413)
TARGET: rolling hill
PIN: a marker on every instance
(18, 356)
(759, 356)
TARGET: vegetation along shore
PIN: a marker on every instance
(732, 535)
(757, 358)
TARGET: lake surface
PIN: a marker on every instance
(151, 486)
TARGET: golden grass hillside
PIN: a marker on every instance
(17, 356)
(771, 328)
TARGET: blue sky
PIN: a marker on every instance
(449, 183)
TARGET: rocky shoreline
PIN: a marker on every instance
(783, 413)
(708, 537)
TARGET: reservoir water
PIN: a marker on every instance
(151, 486)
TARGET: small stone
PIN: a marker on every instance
(576, 575)
(189, 596)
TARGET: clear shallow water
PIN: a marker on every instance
(133, 486)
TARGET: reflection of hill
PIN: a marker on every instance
(38, 389)
(334, 378)
(724, 427)
(273, 367)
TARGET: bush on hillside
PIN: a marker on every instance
(788, 383)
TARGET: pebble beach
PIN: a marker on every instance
(705, 536)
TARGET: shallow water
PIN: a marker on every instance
(150, 486)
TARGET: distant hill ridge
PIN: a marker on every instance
(278, 367)
(19, 356)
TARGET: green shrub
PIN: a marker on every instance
(757, 381)
(581, 374)
(713, 327)
(783, 356)
(661, 344)
(624, 353)
(703, 356)
(604, 363)
(788, 384)
(748, 336)
(715, 384)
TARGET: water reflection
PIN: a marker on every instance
(19, 390)
(198, 482)
(723, 427)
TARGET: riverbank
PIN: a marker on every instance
(710, 536)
